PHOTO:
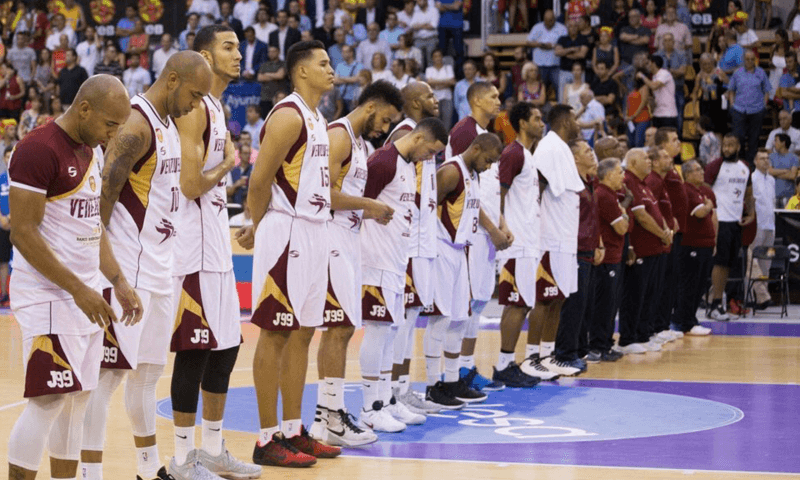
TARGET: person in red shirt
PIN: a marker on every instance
(649, 236)
(613, 221)
(697, 250)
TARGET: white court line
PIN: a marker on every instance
(12, 405)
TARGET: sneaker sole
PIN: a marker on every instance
(265, 463)
(489, 389)
(449, 407)
(235, 476)
(473, 400)
(372, 427)
(338, 442)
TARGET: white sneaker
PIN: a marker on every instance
(719, 314)
(652, 346)
(560, 368)
(699, 331)
(532, 366)
(227, 466)
(403, 414)
(192, 469)
(416, 403)
(341, 429)
(678, 334)
(381, 421)
(632, 348)
(666, 336)
(658, 338)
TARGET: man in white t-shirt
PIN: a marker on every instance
(663, 87)
(745, 37)
(60, 27)
(136, 78)
(245, 11)
(784, 126)
(591, 116)
(424, 24)
(764, 196)
(161, 55)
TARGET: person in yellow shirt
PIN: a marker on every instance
(794, 202)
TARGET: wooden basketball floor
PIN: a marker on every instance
(721, 407)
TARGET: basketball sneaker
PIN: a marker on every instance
(677, 333)
(380, 420)
(440, 395)
(460, 390)
(278, 452)
(632, 348)
(594, 356)
(228, 466)
(717, 312)
(161, 475)
(478, 382)
(191, 469)
(339, 428)
(699, 331)
(566, 369)
(532, 366)
(513, 377)
(309, 446)
(403, 414)
(651, 346)
(611, 356)
(415, 402)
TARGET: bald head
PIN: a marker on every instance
(414, 90)
(419, 101)
(100, 90)
(101, 106)
(187, 64)
(185, 80)
(638, 162)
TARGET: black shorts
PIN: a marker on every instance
(5, 246)
(729, 243)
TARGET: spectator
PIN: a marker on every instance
(591, 116)
(748, 93)
(681, 11)
(651, 18)
(139, 42)
(11, 93)
(339, 13)
(125, 26)
(370, 11)
(634, 37)
(543, 39)
(460, 91)
(746, 37)
(391, 34)
(780, 50)
(707, 95)
(784, 167)
(304, 21)
(378, 67)
(709, 143)
(532, 89)
(60, 56)
(650, 137)
(90, 50)
(109, 65)
(676, 62)
(405, 15)
(273, 78)
(207, 10)
(9, 139)
(663, 87)
(5, 229)
(442, 79)
(226, 18)
(190, 40)
(59, 28)
(794, 202)
(572, 48)
(22, 57)
(263, 26)
(423, 26)
(27, 121)
(73, 15)
(572, 91)
(284, 37)
(399, 78)
(681, 37)
(331, 105)
(347, 75)
(605, 51)
(490, 72)
(161, 55)
(245, 11)
(451, 27)
(364, 78)
(605, 89)
(56, 109)
(502, 122)
(192, 26)
(135, 78)
(585, 28)
(764, 197)
(520, 55)
(638, 114)
(43, 76)
(785, 127)
(40, 26)
(408, 50)
(787, 90)
(71, 78)
(253, 53)
(412, 70)
(733, 55)
(372, 45)
(335, 50)
(793, 23)
(239, 176)
(325, 33)
(608, 147)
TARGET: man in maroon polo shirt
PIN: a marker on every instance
(697, 250)
(649, 236)
(613, 223)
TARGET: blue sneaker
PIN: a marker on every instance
(580, 363)
(478, 382)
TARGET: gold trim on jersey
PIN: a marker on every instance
(110, 337)
(374, 291)
(45, 344)
(187, 303)
(333, 301)
(271, 289)
(342, 174)
(541, 273)
(456, 209)
(291, 169)
(75, 190)
(418, 166)
(142, 181)
(506, 276)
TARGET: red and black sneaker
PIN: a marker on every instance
(309, 446)
(279, 452)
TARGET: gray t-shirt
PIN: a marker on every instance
(21, 58)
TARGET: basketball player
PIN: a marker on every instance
(519, 203)
(207, 332)
(290, 200)
(390, 179)
(419, 102)
(378, 105)
(459, 213)
(484, 102)
(557, 275)
(61, 250)
(138, 204)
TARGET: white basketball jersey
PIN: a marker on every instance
(521, 212)
(729, 188)
(143, 223)
(302, 186)
(459, 212)
(352, 178)
(204, 242)
(490, 195)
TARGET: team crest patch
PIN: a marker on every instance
(213, 117)
(92, 184)
(159, 135)
(310, 124)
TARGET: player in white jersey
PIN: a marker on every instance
(419, 102)
(459, 214)
(732, 184)
(519, 201)
(391, 179)
(484, 101)
(139, 205)
(378, 105)
(61, 250)
(289, 200)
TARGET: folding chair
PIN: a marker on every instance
(779, 257)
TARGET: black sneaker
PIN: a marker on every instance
(594, 356)
(513, 377)
(440, 395)
(461, 390)
(611, 356)
(161, 475)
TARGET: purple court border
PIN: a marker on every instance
(765, 440)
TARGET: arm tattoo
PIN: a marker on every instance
(126, 149)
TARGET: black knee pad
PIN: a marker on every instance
(187, 374)
(218, 371)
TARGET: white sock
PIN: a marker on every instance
(184, 443)
(503, 360)
(70, 478)
(371, 393)
(265, 435)
(335, 392)
(531, 350)
(147, 461)
(212, 437)
(450, 369)
(92, 471)
(467, 361)
(547, 349)
(385, 388)
(291, 428)
(403, 384)
(322, 393)
(434, 369)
